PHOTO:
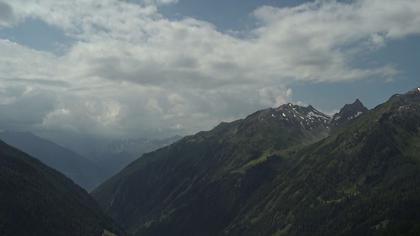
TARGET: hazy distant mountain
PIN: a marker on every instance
(80, 169)
(280, 172)
(86, 159)
(37, 200)
(114, 155)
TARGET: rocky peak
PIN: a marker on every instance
(294, 115)
(349, 112)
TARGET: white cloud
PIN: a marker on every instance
(132, 70)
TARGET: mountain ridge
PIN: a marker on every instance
(208, 154)
(274, 173)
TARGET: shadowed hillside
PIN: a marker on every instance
(37, 200)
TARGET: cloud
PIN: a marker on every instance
(131, 70)
(7, 17)
(160, 2)
(23, 107)
(34, 81)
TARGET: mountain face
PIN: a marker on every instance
(37, 200)
(191, 187)
(348, 113)
(279, 172)
(83, 171)
(308, 118)
(362, 180)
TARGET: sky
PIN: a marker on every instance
(156, 68)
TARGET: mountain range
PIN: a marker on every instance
(290, 170)
(103, 159)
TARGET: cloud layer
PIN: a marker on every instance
(131, 71)
(7, 17)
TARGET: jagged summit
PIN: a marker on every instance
(349, 112)
(302, 113)
(289, 114)
(358, 102)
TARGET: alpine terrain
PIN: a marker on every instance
(291, 170)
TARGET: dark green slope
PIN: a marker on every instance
(190, 187)
(259, 176)
(363, 180)
(37, 200)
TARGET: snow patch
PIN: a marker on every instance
(312, 114)
(355, 116)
